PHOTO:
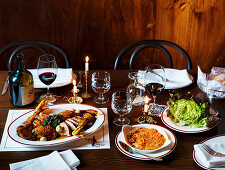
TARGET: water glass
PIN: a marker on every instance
(121, 105)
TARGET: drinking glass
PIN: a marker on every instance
(47, 72)
(121, 105)
(155, 83)
(101, 84)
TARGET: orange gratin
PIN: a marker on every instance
(145, 139)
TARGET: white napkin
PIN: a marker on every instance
(64, 77)
(209, 160)
(65, 160)
(208, 86)
(176, 78)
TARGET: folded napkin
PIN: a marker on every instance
(175, 78)
(209, 160)
(64, 77)
(65, 160)
(209, 84)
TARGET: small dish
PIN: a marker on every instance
(127, 128)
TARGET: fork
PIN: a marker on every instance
(80, 85)
(211, 151)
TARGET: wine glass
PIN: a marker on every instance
(47, 72)
(155, 83)
(101, 84)
(121, 105)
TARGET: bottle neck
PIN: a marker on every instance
(20, 64)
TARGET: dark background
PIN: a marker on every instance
(101, 28)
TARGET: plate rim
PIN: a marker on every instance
(193, 153)
(139, 158)
(58, 143)
(184, 131)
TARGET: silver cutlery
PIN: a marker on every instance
(80, 85)
(5, 87)
(130, 150)
(211, 151)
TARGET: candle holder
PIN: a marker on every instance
(75, 99)
(146, 118)
(86, 94)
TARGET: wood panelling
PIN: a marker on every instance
(101, 28)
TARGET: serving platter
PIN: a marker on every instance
(184, 129)
(214, 139)
(100, 119)
(159, 154)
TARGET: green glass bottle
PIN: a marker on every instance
(21, 85)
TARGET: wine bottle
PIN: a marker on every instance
(21, 85)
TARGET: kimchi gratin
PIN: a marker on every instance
(145, 139)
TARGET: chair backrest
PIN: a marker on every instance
(151, 43)
(39, 45)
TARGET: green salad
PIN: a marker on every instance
(188, 111)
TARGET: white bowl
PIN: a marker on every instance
(127, 128)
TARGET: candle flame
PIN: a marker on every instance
(74, 82)
(86, 59)
(146, 100)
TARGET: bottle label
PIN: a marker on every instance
(27, 94)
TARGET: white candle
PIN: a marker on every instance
(86, 63)
(146, 100)
(74, 87)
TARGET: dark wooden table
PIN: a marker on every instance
(180, 158)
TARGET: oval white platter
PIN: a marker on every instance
(100, 119)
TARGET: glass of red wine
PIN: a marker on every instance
(155, 83)
(47, 72)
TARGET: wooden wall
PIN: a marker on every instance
(101, 28)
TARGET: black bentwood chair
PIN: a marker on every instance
(140, 45)
(39, 45)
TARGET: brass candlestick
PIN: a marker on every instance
(86, 94)
(146, 118)
(75, 98)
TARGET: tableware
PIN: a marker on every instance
(136, 90)
(80, 85)
(128, 128)
(121, 104)
(158, 154)
(5, 87)
(211, 151)
(101, 84)
(211, 140)
(100, 119)
(156, 83)
(211, 93)
(130, 150)
(185, 129)
(47, 72)
(175, 78)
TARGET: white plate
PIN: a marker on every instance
(63, 78)
(159, 154)
(100, 119)
(184, 129)
(214, 139)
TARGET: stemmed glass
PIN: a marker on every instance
(155, 83)
(101, 84)
(47, 72)
(121, 105)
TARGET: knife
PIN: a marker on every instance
(5, 87)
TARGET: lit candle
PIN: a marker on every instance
(146, 100)
(74, 87)
(86, 63)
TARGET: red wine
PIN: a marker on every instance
(47, 77)
(154, 88)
